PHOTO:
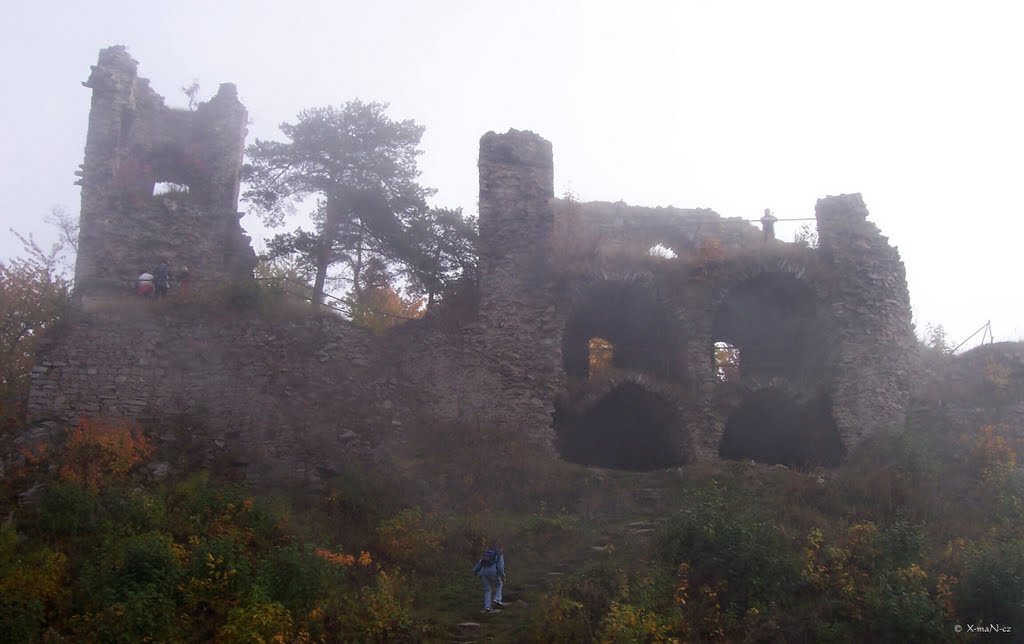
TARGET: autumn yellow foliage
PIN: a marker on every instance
(98, 451)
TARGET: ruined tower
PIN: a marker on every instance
(158, 183)
(877, 348)
(517, 302)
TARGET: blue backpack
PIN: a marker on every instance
(489, 558)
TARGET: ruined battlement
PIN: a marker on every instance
(158, 183)
(739, 347)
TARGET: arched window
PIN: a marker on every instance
(169, 188)
(600, 359)
(772, 321)
(727, 362)
(662, 251)
(646, 338)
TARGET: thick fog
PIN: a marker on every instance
(735, 107)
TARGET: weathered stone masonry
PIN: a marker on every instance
(135, 142)
(822, 332)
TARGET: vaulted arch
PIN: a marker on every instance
(774, 426)
(774, 321)
(629, 426)
(646, 336)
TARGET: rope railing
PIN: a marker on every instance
(985, 330)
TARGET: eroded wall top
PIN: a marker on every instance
(159, 183)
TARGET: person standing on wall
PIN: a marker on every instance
(768, 224)
(162, 279)
(491, 570)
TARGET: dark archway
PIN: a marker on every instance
(772, 319)
(770, 426)
(629, 428)
(646, 336)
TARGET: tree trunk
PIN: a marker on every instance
(357, 267)
(435, 279)
(323, 258)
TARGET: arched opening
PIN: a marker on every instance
(770, 426)
(169, 188)
(772, 320)
(629, 428)
(646, 337)
(662, 251)
(727, 362)
(601, 357)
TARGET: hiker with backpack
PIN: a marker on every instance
(491, 570)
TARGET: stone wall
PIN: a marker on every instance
(957, 395)
(289, 398)
(292, 396)
(871, 303)
(856, 352)
(618, 228)
(135, 141)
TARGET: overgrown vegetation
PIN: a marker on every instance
(360, 167)
(34, 295)
(902, 543)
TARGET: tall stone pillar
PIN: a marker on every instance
(871, 306)
(222, 121)
(517, 307)
(105, 168)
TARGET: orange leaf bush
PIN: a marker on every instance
(98, 452)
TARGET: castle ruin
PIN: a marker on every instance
(739, 346)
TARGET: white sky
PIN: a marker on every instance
(735, 106)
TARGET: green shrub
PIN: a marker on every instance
(900, 609)
(68, 509)
(295, 576)
(144, 615)
(901, 543)
(626, 623)
(31, 586)
(264, 519)
(594, 589)
(893, 473)
(258, 623)
(126, 566)
(131, 511)
(992, 588)
(746, 561)
(1002, 490)
(379, 612)
(196, 502)
(560, 619)
(548, 526)
(130, 589)
(410, 540)
(219, 573)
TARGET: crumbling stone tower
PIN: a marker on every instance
(517, 301)
(877, 348)
(191, 160)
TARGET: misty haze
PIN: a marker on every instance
(523, 323)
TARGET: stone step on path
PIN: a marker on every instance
(473, 631)
(467, 631)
